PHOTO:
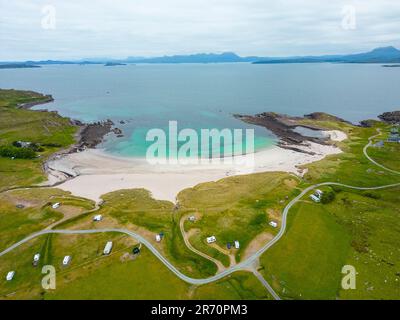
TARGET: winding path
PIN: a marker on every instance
(240, 266)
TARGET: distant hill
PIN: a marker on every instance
(196, 58)
(387, 55)
(379, 55)
(17, 65)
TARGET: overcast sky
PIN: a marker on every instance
(121, 28)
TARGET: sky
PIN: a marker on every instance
(74, 29)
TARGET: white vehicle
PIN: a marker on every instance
(211, 239)
(273, 224)
(158, 238)
(10, 275)
(237, 244)
(108, 248)
(192, 218)
(66, 260)
(56, 205)
(318, 193)
(315, 198)
(98, 217)
(36, 257)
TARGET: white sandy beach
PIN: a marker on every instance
(97, 173)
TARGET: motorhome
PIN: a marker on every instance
(211, 239)
(108, 248)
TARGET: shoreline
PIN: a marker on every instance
(96, 173)
(88, 172)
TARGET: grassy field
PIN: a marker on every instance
(90, 275)
(236, 208)
(36, 214)
(136, 210)
(358, 228)
(380, 154)
(31, 126)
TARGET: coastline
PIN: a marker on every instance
(88, 172)
(96, 173)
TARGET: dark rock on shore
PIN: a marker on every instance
(322, 116)
(93, 134)
(282, 126)
(390, 117)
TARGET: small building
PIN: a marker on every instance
(211, 239)
(273, 224)
(98, 217)
(66, 260)
(315, 198)
(237, 244)
(158, 238)
(10, 275)
(56, 205)
(108, 248)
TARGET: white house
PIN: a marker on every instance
(98, 217)
(66, 260)
(237, 244)
(211, 239)
(10, 275)
(273, 224)
(56, 205)
(108, 248)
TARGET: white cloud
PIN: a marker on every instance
(122, 28)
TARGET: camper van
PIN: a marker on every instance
(108, 248)
(211, 239)
(98, 217)
(273, 224)
(56, 205)
(66, 260)
(10, 275)
(36, 258)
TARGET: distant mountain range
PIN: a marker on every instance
(379, 55)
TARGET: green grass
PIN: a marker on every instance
(33, 126)
(93, 276)
(359, 228)
(380, 155)
(236, 208)
(37, 214)
(137, 208)
(306, 262)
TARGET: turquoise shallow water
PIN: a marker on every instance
(205, 96)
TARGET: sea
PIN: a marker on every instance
(138, 98)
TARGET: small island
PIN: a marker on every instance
(114, 64)
(18, 66)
